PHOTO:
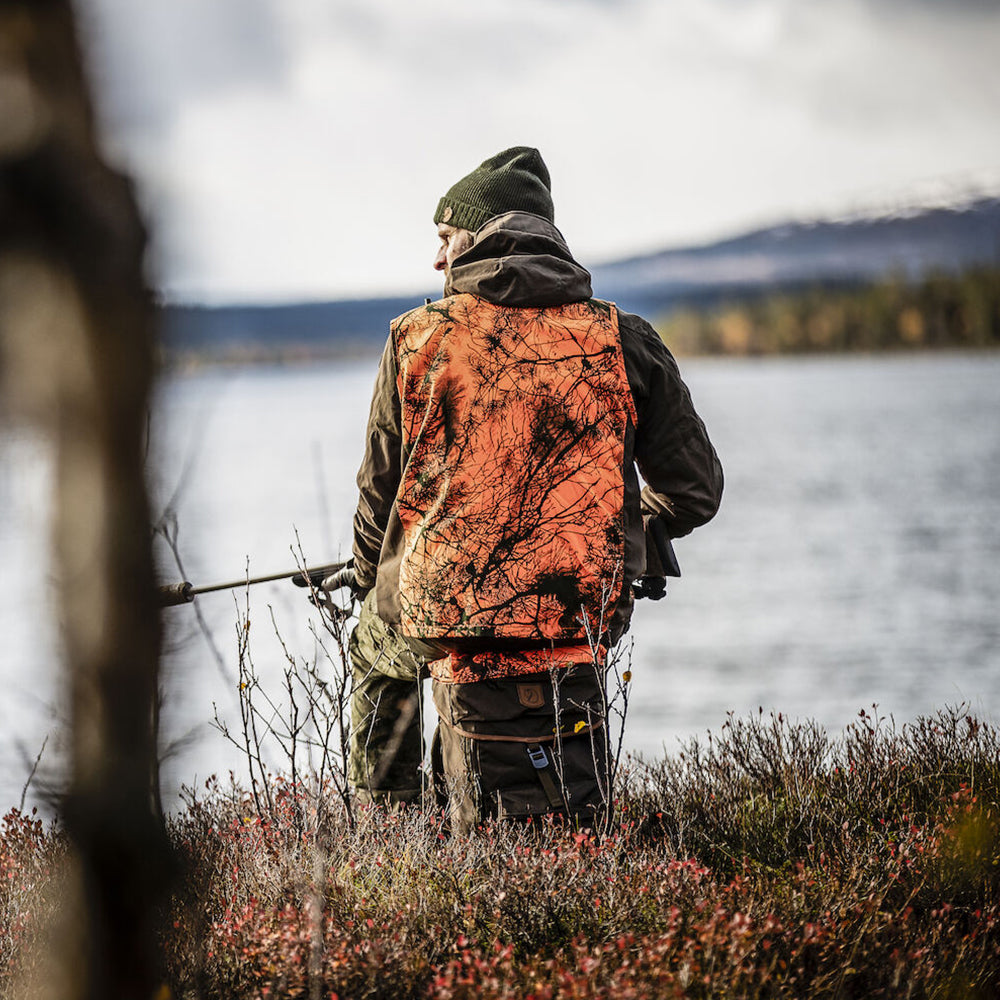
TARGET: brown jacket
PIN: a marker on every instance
(520, 262)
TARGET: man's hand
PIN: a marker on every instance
(342, 578)
(320, 594)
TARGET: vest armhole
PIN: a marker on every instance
(623, 372)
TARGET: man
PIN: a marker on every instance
(500, 522)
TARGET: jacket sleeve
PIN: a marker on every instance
(672, 448)
(380, 473)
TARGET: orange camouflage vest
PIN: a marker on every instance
(511, 501)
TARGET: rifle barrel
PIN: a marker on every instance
(183, 593)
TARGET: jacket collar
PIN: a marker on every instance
(519, 259)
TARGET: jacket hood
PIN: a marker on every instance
(519, 259)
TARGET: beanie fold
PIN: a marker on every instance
(515, 180)
(462, 215)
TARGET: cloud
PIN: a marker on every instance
(949, 8)
(896, 66)
(297, 147)
(150, 58)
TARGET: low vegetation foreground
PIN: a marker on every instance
(768, 860)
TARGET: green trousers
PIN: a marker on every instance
(387, 740)
(511, 748)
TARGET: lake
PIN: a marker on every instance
(855, 560)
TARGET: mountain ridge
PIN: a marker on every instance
(787, 255)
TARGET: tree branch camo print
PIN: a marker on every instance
(511, 501)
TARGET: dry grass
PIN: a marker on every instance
(769, 861)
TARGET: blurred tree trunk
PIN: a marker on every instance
(76, 333)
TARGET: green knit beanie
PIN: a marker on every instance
(515, 180)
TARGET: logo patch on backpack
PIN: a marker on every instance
(531, 695)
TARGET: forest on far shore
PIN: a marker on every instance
(939, 311)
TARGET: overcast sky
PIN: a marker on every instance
(297, 148)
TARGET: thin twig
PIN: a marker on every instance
(31, 775)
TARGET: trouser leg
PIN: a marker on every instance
(386, 740)
(495, 734)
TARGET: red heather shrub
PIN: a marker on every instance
(725, 944)
(279, 953)
(772, 863)
(29, 858)
(550, 914)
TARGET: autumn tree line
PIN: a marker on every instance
(957, 311)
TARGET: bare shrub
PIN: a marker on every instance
(304, 724)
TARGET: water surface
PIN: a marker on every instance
(856, 558)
